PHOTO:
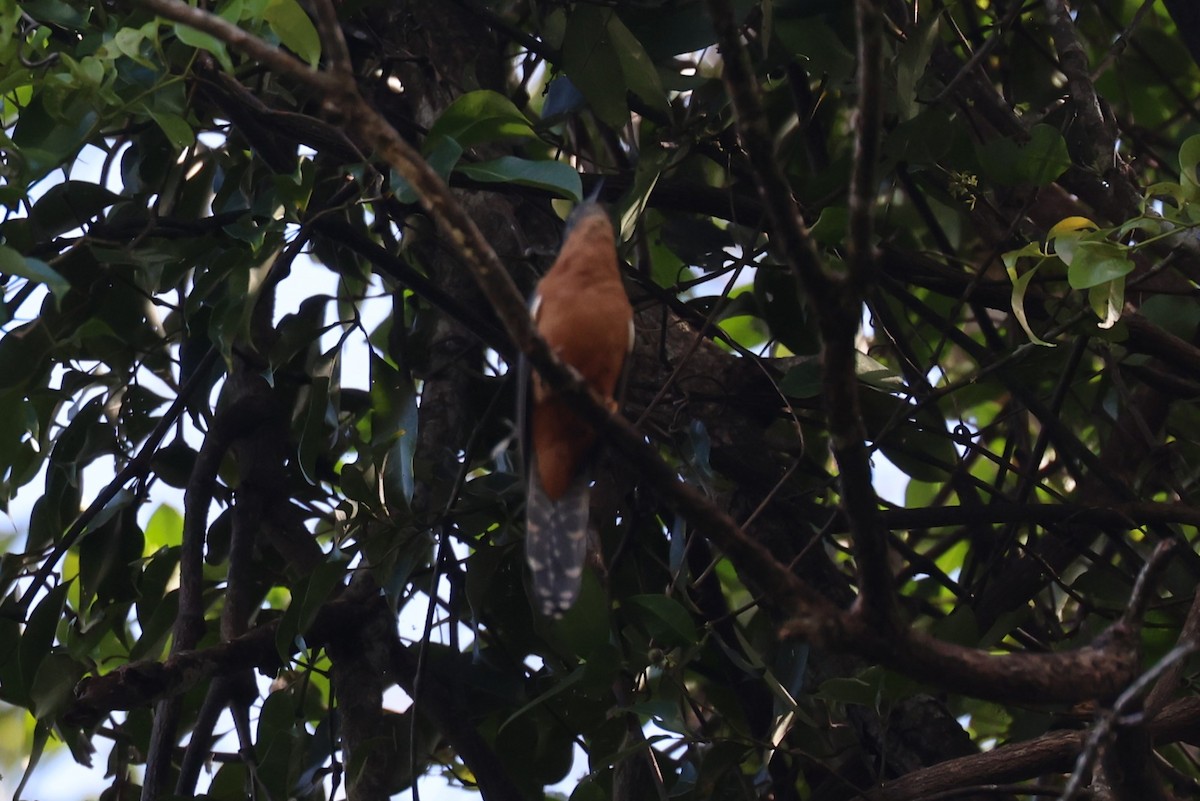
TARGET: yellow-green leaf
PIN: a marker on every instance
(295, 30)
(203, 41)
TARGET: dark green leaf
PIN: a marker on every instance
(13, 263)
(778, 295)
(307, 598)
(67, 206)
(804, 380)
(1037, 161)
(40, 631)
(553, 176)
(442, 153)
(56, 12)
(664, 618)
(54, 684)
(639, 71)
(590, 59)
(478, 117)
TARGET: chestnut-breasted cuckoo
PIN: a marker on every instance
(580, 308)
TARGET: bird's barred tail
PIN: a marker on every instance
(556, 543)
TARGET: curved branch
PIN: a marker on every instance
(1051, 753)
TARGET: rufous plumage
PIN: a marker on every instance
(580, 308)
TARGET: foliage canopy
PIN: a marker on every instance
(304, 452)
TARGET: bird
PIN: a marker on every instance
(581, 310)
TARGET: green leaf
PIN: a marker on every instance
(13, 263)
(1107, 300)
(664, 618)
(478, 117)
(41, 735)
(442, 153)
(560, 686)
(12, 687)
(830, 227)
(553, 176)
(653, 161)
(128, 42)
(1189, 158)
(47, 133)
(67, 206)
(107, 552)
(158, 624)
(39, 633)
(876, 374)
(1169, 189)
(1039, 160)
(276, 748)
(54, 684)
(923, 454)
(910, 66)
(778, 296)
(1177, 314)
(1021, 284)
(818, 46)
(1067, 233)
(177, 129)
(203, 41)
(319, 421)
(56, 12)
(641, 76)
(1044, 157)
(307, 598)
(230, 782)
(590, 59)
(165, 528)
(669, 29)
(1098, 263)
(295, 30)
(399, 481)
(120, 502)
(803, 380)
(924, 139)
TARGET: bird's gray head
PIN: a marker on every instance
(585, 210)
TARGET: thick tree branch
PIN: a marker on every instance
(1118, 516)
(1054, 752)
(189, 621)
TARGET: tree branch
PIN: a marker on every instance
(836, 301)
(1082, 92)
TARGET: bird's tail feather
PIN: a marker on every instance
(556, 543)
